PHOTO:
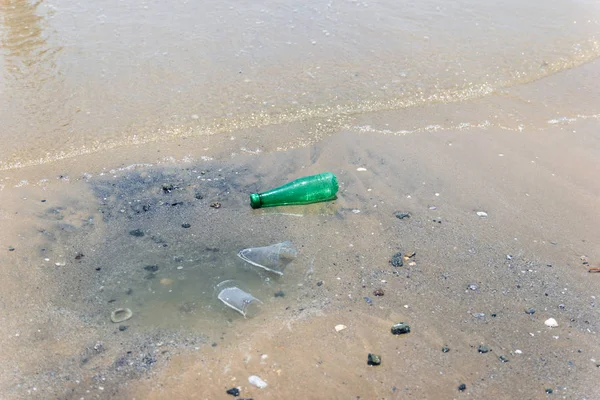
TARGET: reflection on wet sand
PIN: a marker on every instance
(32, 83)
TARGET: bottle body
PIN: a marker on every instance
(305, 190)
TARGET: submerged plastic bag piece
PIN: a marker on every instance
(236, 298)
(273, 258)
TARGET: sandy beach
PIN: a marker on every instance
(489, 191)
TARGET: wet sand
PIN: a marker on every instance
(538, 189)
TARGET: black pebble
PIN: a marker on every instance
(483, 349)
(503, 359)
(373, 359)
(397, 260)
(98, 268)
(10, 248)
(280, 294)
(320, 283)
(462, 387)
(151, 268)
(136, 233)
(549, 391)
(186, 225)
(445, 349)
(402, 215)
(234, 392)
(43, 201)
(123, 327)
(199, 196)
(129, 291)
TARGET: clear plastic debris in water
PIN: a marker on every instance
(273, 258)
(233, 297)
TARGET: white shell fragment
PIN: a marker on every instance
(120, 315)
(551, 322)
(361, 169)
(340, 327)
(256, 381)
(481, 214)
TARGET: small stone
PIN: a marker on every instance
(10, 248)
(373, 359)
(551, 322)
(151, 268)
(483, 349)
(123, 327)
(530, 311)
(320, 283)
(186, 225)
(482, 214)
(215, 204)
(503, 359)
(462, 387)
(396, 260)
(256, 381)
(198, 196)
(378, 292)
(136, 233)
(401, 215)
(340, 327)
(473, 287)
(368, 300)
(445, 349)
(400, 328)
(549, 391)
(279, 294)
(233, 391)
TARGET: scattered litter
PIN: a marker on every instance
(340, 327)
(305, 190)
(551, 322)
(256, 381)
(273, 258)
(234, 297)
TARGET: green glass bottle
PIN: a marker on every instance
(305, 190)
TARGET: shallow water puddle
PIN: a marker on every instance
(157, 242)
